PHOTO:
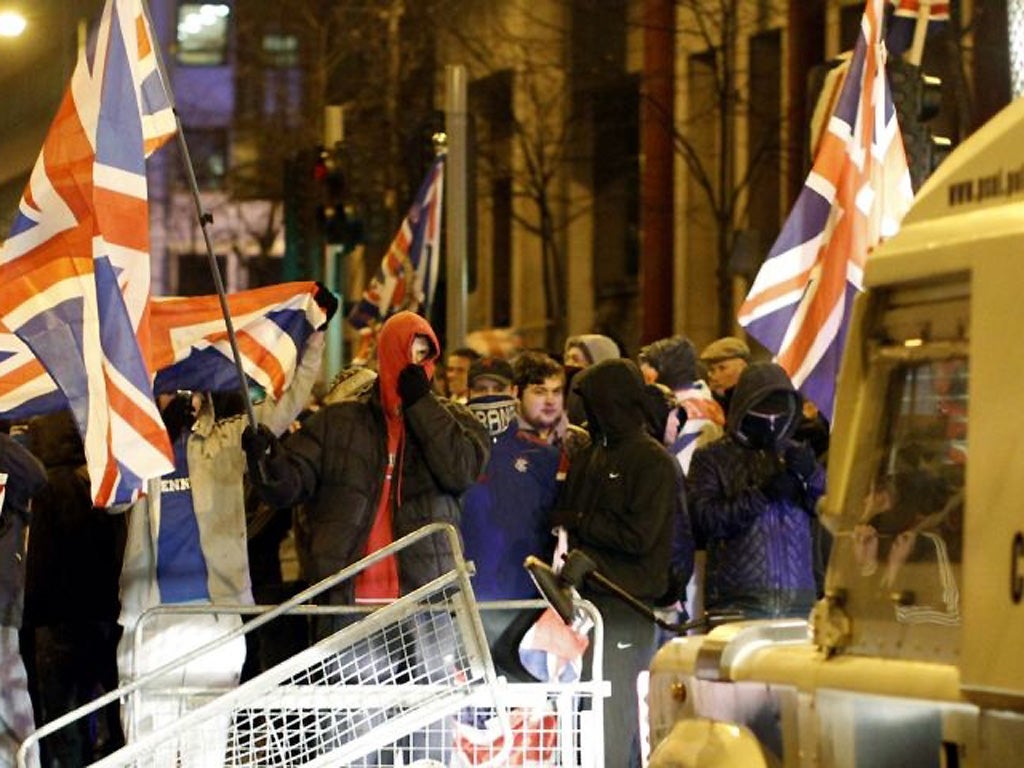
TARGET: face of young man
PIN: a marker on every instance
(575, 358)
(541, 405)
(457, 373)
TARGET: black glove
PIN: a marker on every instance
(564, 517)
(413, 384)
(800, 461)
(259, 446)
(327, 301)
(783, 486)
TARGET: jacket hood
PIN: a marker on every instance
(757, 383)
(613, 396)
(596, 347)
(394, 352)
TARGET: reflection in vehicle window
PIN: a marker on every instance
(908, 536)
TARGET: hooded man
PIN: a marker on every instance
(376, 467)
(618, 508)
(752, 497)
(370, 470)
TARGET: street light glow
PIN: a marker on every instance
(12, 24)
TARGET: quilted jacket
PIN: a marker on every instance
(759, 548)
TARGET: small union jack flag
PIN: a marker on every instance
(900, 32)
(856, 194)
(408, 272)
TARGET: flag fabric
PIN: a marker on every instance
(190, 349)
(407, 276)
(26, 389)
(900, 32)
(532, 740)
(75, 267)
(551, 650)
(856, 194)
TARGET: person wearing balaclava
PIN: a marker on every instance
(506, 512)
(752, 496)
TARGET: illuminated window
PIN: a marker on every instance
(203, 33)
(1015, 17)
(281, 50)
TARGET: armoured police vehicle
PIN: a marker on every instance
(915, 656)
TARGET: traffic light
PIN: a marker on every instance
(918, 99)
(303, 231)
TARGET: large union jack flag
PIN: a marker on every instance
(856, 194)
(75, 267)
(408, 272)
(190, 347)
(903, 21)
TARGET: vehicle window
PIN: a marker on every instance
(907, 537)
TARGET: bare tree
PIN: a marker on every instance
(719, 97)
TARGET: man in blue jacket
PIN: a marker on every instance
(506, 513)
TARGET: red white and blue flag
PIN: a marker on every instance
(855, 195)
(190, 347)
(900, 33)
(408, 272)
(75, 267)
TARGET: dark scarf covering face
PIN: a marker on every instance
(394, 352)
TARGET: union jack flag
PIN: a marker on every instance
(856, 194)
(408, 272)
(190, 340)
(900, 32)
(190, 349)
(75, 268)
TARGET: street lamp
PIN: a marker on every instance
(12, 24)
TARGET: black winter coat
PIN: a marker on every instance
(621, 492)
(335, 465)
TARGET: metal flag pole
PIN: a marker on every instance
(205, 219)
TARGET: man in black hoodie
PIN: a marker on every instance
(752, 495)
(618, 508)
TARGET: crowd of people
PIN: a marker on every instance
(689, 479)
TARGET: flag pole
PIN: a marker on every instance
(916, 52)
(205, 219)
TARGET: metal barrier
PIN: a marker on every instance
(404, 683)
